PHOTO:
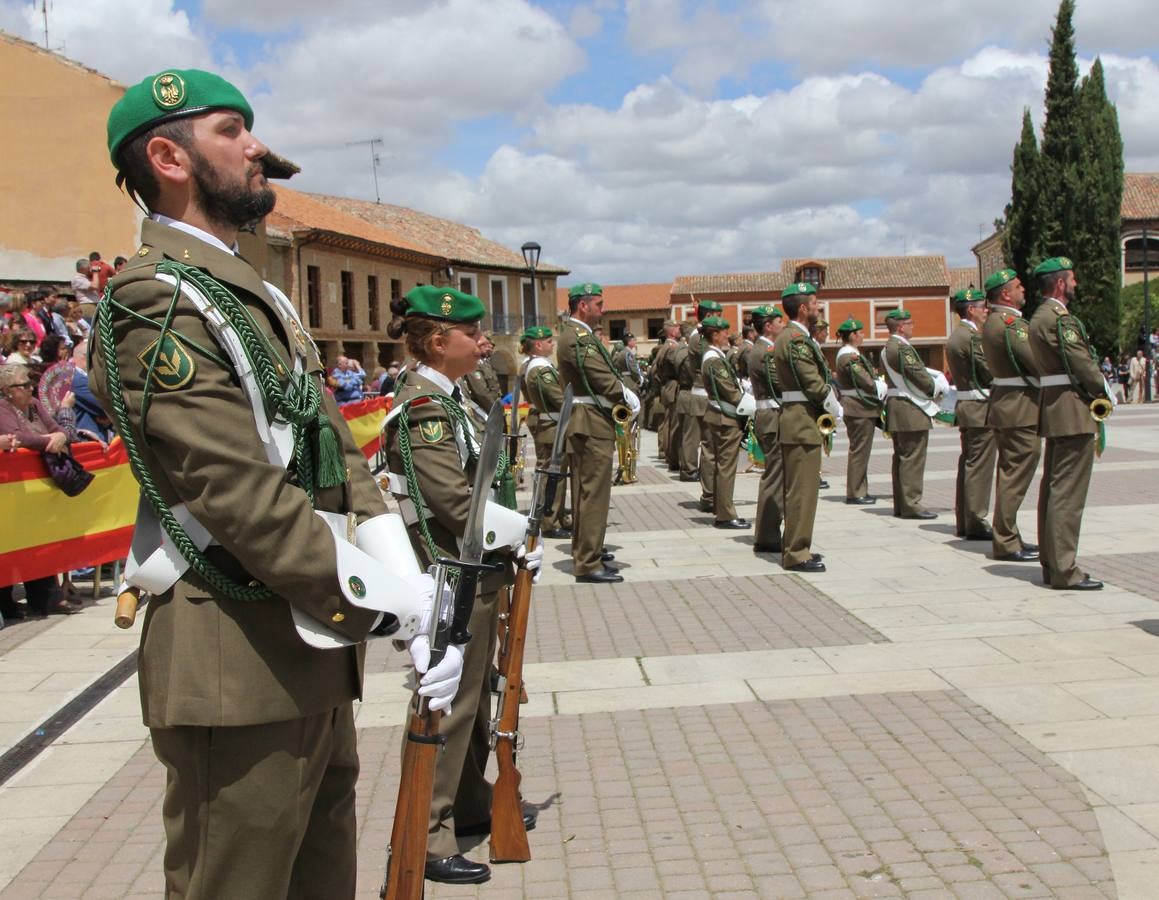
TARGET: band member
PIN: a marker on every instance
(544, 393)
(585, 365)
(862, 397)
(664, 373)
(967, 360)
(253, 647)
(807, 394)
(1012, 412)
(1068, 373)
(431, 447)
(768, 321)
(727, 405)
(909, 408)
(481, 382)
(694, 403)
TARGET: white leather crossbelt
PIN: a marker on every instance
(1015, 381)
(794, 397)
(768, 404)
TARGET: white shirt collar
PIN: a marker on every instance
(765, 339)
(581, 324)
(900, 338)
(1017, 313)
(804, 329)
(441, 381)
(195, 231)
(969, 323)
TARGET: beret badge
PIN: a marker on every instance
(169, 90)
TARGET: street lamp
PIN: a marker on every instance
(531, 252)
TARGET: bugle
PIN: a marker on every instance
(827, 424)
(1101, 408)
(625, 451)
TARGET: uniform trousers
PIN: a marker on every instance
(909, 470)
(1018, 452)
(802, 473)
(671, 428)
(554, 518)
(860, 431)
(1062, 494)
(707, 460)
(689, 434)
(260, 811)
(975, 480)
(462, 794)
(771, 489)
(590, 457)
(724, 442)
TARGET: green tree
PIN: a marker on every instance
(1059, 162)
(1020, 234)
(1097, 204)
(1131, 303)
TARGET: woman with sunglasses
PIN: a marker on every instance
(22, 417)
(22, 348)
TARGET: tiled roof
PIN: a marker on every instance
(859, 272)
(1140, 195)
(461, 244)
(738, 283)
(71, 63)
(960, 279)
(627, 297)
(296, 211)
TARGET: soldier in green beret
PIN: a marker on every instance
(1068, 374)
(585, 365)
(482, 383)
(727, 404)
(253, 645)
(769, 322)
(430, 476)
(544, 393)
(862, 399)
(971, 376)
(1012, 410)
(695, 453)
(801, 369)
(664, 372)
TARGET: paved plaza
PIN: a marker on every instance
(919, 721)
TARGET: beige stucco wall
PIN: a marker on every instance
(60, 199)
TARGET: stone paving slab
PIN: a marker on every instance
(882, 795)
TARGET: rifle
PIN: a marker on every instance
(406, 857)
(508, 833)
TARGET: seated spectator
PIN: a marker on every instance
(86, 283)
(389, 380)
(21, 347)
(350, 378)
(91, 421)
(24, 420)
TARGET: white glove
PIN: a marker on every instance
(941, 386)
(441, 683)
(631, 399)
(879, 386)
(531, 560)
(833, 406)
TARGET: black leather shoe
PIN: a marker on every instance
(457, 869)
(695, 476)
(986, 535)
(766, 548)
(1033, 548)
(529, 817)
(822, 485)
(604, 576)
(13, 613)
(731, 523)
(1087, 584)
(861, 501)
(705, 506)
(607, 555)
(923, 514)
(1022, 555)
(810, 565)
(818, 556)
(557, 534)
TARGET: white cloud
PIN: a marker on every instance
(585, 21)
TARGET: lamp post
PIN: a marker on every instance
(531, 252)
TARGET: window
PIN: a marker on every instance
(467, 285)
(811, 272)
(616, 329)
(372, 300)
(655, 326)
(530, 312)
(347, 299)
(1133, 254)
(499, 318)
(314, 296)
(395, 289)
(880, 308)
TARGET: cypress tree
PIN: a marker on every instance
(1059, 172)
(1021, 230)
(1097, 207)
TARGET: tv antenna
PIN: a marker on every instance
(374, 159)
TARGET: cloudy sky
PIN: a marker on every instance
(638, 140)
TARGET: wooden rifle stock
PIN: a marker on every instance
(407, 857)
(508, 833)
(127, 600)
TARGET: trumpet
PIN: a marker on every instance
(621, 414)
(1101, 408)
(827, 424)
(626, 452)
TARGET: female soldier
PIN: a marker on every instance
(432, 448)
(722, 420)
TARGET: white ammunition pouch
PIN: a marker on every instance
(747, 405)
(833, 406)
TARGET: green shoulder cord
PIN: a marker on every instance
(1101, 426)
(584, 375)
(716, 393)
(1013, 359)
(768, 363)
(317, 456)
(975, 340)
(908, 383)
(861, 395)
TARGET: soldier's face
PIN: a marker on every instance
(856, 337)
(591, 310)
(1014, 293)
(226, 168)
(1069, 287)
(777, 324)
(907, 328)
(813, 305)
(458, 350)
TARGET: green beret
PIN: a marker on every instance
(999, 278)
(821, 323)
(798, 287)
(709, 306)
(898, 315)
(715, 323)
(1054, 264)
(968, 295)
(443, 303)
(767, 312)
(535, 333)
(849, 326)
(587, 289)
(172, 94)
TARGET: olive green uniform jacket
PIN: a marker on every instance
(1006, 344)
(799, 369)
(854, 375)
(969, 371)
(901, 414)
(1060, 344)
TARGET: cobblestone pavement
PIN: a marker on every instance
(919, 721)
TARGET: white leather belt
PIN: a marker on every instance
(699, 392)
(1062, 380)
(768, 404)
(1016, 381)
(794, 397)
(972, 395)
(591, 401)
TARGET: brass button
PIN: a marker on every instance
(338, 617)
(255, 583)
